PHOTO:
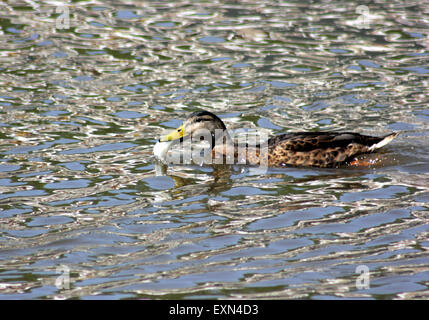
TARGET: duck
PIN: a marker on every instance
(298, 149)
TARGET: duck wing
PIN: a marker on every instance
(321, 149)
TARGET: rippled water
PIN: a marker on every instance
(81, 108)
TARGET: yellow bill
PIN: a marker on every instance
(175, 135)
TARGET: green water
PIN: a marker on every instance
(84, 97)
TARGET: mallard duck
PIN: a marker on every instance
(316, 149)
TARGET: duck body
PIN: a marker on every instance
(321, 149)
(313, 149)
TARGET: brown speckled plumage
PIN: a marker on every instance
(319, 149)
(316, 149)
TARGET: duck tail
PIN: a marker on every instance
(384, 140)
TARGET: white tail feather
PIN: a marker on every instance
(383, 142)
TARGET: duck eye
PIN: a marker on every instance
(179, 130)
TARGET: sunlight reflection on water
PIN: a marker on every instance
(82, 107)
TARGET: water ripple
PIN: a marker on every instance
(81, 108)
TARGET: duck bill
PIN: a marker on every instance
(177, 134)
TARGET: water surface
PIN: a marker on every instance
(82, 104)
